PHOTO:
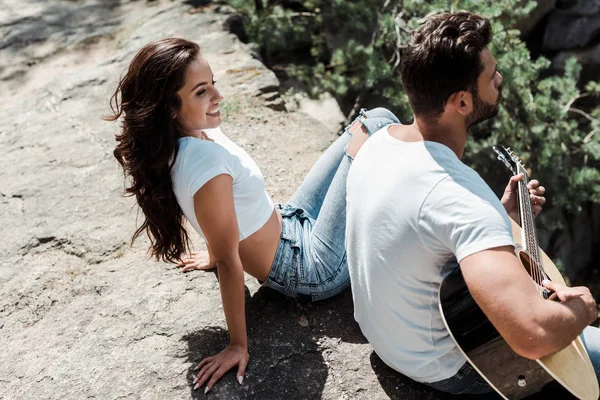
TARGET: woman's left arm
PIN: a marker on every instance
(215, 212)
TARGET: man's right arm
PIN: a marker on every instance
(532, 326)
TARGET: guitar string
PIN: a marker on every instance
(528, 222)
(525, 217)
(529, 226)
(530, 231)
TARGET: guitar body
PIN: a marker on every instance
(568, 372)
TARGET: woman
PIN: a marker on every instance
(182, 165)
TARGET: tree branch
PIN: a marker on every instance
(292, 15)
(581, 112)
(355, 107)
(574, 99)
(588, 137)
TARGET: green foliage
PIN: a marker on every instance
(352, 49)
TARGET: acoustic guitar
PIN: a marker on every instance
(568, 373)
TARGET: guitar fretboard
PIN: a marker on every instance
(527, 215)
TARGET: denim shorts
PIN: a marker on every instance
(310, 263)
(295, 271)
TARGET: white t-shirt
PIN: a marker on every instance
(412, 206)
(198, 161)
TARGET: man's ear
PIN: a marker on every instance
(461, 102)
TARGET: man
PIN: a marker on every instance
(413, 205)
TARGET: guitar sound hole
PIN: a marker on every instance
(532, 268)
(526, 261)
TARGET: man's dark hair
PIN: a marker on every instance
(442, 58)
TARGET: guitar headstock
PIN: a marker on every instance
(509, 159)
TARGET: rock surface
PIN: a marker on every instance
(82, 314)
(570, 31)
(589, 58)
(542, 8)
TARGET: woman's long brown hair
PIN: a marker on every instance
(146, 100)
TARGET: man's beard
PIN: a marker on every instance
(482, 110)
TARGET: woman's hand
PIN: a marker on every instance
(211, 369)
(200, 260)
(510, 202)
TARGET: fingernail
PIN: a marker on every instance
(206, 390)
(197, 367)
(195, 380)
(240, 379)
(197, 386)
(545, 282)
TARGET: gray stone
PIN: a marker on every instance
(588, 58)
(569, 31)
(324, 109)
(579, 7)
(527, 24)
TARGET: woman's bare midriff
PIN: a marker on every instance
(257, 251)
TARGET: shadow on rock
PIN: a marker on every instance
(333, 318)
(197, 3)
(285, 361)
(396, 385)
(59, 20)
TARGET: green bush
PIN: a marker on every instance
(352, 50)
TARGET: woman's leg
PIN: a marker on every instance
(311, 193)
(327, 242)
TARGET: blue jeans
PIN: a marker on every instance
(468, 381)
(591, 341)
(310, 263)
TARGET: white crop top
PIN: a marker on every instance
(198, 161)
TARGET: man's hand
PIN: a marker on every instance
(510, 197)
(578, 298)
(199, 260)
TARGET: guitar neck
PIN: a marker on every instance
(529, 234)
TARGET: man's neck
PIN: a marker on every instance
(450, 134)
